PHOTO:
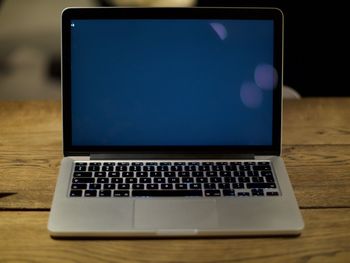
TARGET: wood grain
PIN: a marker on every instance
(30, 152)
(326, 239)
(317, 121)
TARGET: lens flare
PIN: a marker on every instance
(251, 95)
(219, 29)
(265, 76)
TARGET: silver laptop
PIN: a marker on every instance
(172, 124)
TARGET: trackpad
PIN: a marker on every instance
(175, 214)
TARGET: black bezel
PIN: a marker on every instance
(171, 13)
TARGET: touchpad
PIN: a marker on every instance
(175, 214)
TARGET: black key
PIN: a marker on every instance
(127, 174)
(183, 174)
(243, 194)
(79, 186)
(221, 163)
(166, 186)
(117, 180)
(113, 174)
(121, 168)
(141, 174)
(257, 179)
(216, 180)
(135, 168)
(105, 193)
(226, 174)
(100, 174)
(166, 193)
(193, 163)
(159, 180)
(235, 163)
(155, 174)
(176, 168)
(269, 179)
(123, 164)
(94, 186)
(123, 186)
(257, 192)
(131, 180)
(210, 186)
(207, 163)
(244, 168)
(188, 180)
(152, 186)
(253, 173)
(179, 163)
(138, 186)
(261, 185)
(244, 179)
(169, 174)
(224, 186)
(261, 168)
(121, 194)
(229, 192)
(181, 186)
(164, 164)
(211, 174)
(230, 168)
(103, 180)
(82, 174)
(271, 193)
(162, 168)
(195, 186)
(191, 168)
(90, 193)
(217, 168)
(148, 168)
(109, 186)
(238, 174)
(109, 164)
(202, 180)
(80, 163)
(75, 193)
(94, 168)
(95, 163)
(173, 180)
(230, 180)
(80, 168)
(137, 163)
(107, 168)
(145, 180)
(266, 173)
(212, 193)
(152, 164)
(83, 180)
(198, 174)
(263, 163)
(204, 168)
(237, 186)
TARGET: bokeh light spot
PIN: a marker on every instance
(251, 95)
(220, 30)
(265, 76)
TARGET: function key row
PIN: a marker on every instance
(169, 163)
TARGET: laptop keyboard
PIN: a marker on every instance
(173, 179)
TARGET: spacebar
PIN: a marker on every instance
(167, 193)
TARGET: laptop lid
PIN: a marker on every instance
(172, 80)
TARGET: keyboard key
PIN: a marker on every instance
(202, 180)
(188, 180)
(152, 164)
(215, 180)
(80, 168)
(94, 186)
(162, 168)
(90, 193)
(176, 168)
(141, 174)
(181, 186)
(257, 179)
(138, 186)
(117, 180)
(173, 180)
(179, 163)
(224, 186)
(127, 174)
(100, 174)
(79, 186)
(195, 186)
(261, 185)
(109, 186)
(148, 168)
(123, 186)
(82, 174)
(145, 180)
(83, 180)
(80, 163)
(212, 193)
(169, 174)
(103, 180)
(164, 163)
(137, 163)
(107, 168)
(211, 174)
(257, 192)
(123, 164)
(229, 192)
(121, 194)
(271, 193)
(105, 193)
(210, 186)
(131, 180)
(166, 186)
(94, 168)
(113, 174)
(160, 193)
(261, 168)
(121, 168)
(152, 186)
(95, 163)
(75, 193)
(237, 186)
(159, 180)
(155, 174)
(135, 168)
(183, 174)
(109, 164)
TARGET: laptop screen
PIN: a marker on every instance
(172, 82)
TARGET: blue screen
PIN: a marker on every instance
(172, 82)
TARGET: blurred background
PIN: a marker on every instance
(316, 45)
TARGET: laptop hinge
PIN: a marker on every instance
(155, 156)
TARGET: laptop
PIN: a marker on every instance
(172, 124)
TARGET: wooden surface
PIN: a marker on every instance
(316, 149)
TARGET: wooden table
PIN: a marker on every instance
(317, 154)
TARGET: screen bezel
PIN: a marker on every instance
(170, 13)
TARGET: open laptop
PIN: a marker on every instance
(172, 124)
